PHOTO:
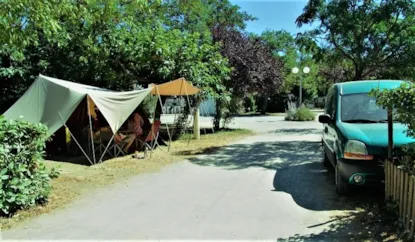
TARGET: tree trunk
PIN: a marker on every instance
(264, 104)
(358, 75)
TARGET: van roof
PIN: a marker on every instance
(365, 86)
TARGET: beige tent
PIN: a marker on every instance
(52, 101)
(178, 87)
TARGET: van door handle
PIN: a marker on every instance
(326, 130)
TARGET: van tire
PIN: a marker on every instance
(342, 187)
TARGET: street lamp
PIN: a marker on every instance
(306, 70)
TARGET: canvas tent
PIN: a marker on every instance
(52, 101)
(178, 87)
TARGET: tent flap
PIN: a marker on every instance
(47, 103)
(116, 107)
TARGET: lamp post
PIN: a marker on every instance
(306, 70)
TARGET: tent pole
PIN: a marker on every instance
(76, 141)
(174, 120)
(190, 108)
(175, 114)
(90, 127)
(154, 119)
(168, 131)
(106, 148)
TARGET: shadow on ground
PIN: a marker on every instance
(268, 155)
(297, 131)
(300, 173)
(357, 226)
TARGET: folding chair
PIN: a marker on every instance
(151, 140)
(119, 146)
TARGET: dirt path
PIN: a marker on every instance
(269, 186)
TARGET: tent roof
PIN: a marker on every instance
(178, 87)
(51, 101)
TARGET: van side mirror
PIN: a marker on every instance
(325, 119)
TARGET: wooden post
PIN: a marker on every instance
(390, 135)
(196, 124)
(411, 207)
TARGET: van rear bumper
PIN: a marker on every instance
(372, 171)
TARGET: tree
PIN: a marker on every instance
(293, 52)
(61, 38)
(372, 35)
(255, 70)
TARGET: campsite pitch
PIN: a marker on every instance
(76, 180)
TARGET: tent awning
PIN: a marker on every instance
(178, 87)
(51, 101)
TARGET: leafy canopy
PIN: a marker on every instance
(373, 35)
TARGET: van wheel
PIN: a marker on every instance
(342, 187)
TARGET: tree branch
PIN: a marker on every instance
(337, 46)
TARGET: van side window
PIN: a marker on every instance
(330, 107)
(329, 98)
(333, 104)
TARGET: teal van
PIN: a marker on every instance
(355, 135)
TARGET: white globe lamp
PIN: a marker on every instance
(306, 70)
(295, 70)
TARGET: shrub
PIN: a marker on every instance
(250, 104)
(301, 114)
(24, 178)
(402, 99)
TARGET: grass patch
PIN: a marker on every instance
(76, 180)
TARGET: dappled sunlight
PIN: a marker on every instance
(268, 155)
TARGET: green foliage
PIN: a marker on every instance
(54, 173)
(376, 38)
(301, 114)
(24, 178)
(116, 44)
(401, 99)
(149, 104)
(250, 104)
(294, 53)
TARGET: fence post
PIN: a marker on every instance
(387, 190)
(405, 198)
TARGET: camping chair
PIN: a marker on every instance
(150, 141)
(119, 146)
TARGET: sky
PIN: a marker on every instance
(273, 14)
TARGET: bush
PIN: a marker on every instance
(250, 104)
(301, 114)
(24, 178)
(402, 99)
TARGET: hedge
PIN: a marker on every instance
(25, 181)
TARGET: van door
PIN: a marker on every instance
(329, 132)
